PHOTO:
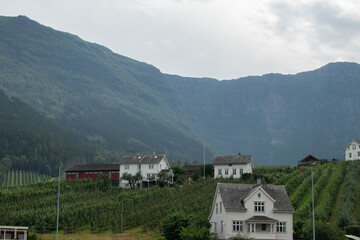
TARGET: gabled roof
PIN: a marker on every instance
(352, 141)
(152, 159)
(233, 196)
(309, 158)
(93, 167)
(233, 159)
(146, 159)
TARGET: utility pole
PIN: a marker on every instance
(204, 160)
(58, 204)
(313, 210)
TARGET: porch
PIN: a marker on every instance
(261, 227)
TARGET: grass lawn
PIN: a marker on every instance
(131, 234)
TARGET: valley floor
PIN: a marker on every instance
(132, 234)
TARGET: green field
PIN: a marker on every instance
(19, 178)
(96, 208)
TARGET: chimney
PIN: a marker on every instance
(258, 181)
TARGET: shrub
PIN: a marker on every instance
(323, 231)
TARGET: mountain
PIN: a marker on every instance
(31, 142)
(115, 102)
(278, 118)
(120, 104)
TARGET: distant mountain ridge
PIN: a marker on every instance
(122, 104)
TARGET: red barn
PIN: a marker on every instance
(93, 171)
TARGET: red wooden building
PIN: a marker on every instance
(93, 171)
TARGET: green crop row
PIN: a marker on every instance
(18, 178)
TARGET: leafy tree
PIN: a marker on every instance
(323, 231)
(194, 232)
(103, 182)
(163, 179)
(174, 224)
(132, 179)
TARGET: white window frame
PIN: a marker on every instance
(226, 171)
(222, 227)
(237, 226)
(241, 170)
(259, 206)
(216, 207)
(151, 166)
(281, 227)
(221, 207)
(126, 166)
(234, 171)
(220, 172)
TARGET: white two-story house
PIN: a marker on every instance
(148, 165)
(352, 151)
(233, 165)
(251, 210)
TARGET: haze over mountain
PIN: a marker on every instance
(124, 105)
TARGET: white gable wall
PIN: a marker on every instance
(246, 168)
(352, 151)
(230, 216)
(218, 217)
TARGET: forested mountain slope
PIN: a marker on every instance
(31, 142)
(114, 101)
(278, 118)
(120, 104)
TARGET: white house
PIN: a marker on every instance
(233, 165)
(148, 165)
(251, 210)
(352, 151)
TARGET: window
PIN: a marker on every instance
(222, 227)
(237, 226)
(127, 185)
(230, 164)
(151, 166)
(358, 154)
(215, 227)
(259, 195)
(126, 167)
(263, 227)
(353, 146)
(226, 171)
(148, 175)
(216, 204)
(220, 207)
(259, 207)
(219, 172)
(139, 167)
(234, 171)
(241, 171)
(349, 155)
(281, 227)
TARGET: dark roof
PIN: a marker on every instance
(135, 159)
(152, 159)
(138, 159)
(261, 219)
(310, 158)
(93, 167)
(232, 159)
(190, 168)
(233, 195)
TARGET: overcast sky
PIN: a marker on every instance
(224, 39)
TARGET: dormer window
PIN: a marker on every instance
(259, 206)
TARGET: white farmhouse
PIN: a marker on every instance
(148, 165)
(251, 210)
(233, 165)
(352, 151)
